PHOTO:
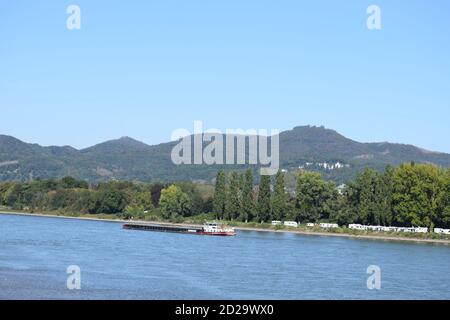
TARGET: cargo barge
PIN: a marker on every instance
(209, 229)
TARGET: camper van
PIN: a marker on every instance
(291, 224)
(329, 225)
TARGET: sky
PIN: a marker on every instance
(146, 68)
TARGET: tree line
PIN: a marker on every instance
(129, 199)
(410, 194)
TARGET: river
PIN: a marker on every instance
(35, 253)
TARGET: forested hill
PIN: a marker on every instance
(312, 148)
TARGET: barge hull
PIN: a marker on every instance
(174, 229)
(163, 228)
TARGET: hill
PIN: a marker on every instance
(305, 147)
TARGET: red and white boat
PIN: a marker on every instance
(214, 229)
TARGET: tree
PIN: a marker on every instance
(279, 202)
(344, 214)
(264, 207)
(70, 183)
(198, 203)
(208, 205)
(197, 196)
(315, 198)
(108, 200)
(142, 200)
(385, 196)
(134, 212)
(233, 199)
(220, 195)
(12, 196)
(174, 203)
(369, 196)
(248, 202)
(415, 191)
(83, 201)
(443, 201)
(155, 191)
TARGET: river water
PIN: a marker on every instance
(35, 253)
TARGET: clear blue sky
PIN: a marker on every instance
(145, 68)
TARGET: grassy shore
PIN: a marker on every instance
(252, 226)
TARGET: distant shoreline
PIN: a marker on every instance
(302, 232)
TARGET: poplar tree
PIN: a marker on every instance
(220, 194)
(248, 202)
(279, 203)
(264, 207)
(233, 200)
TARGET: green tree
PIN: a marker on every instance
(174, 203)
(133, 211)
(415, 191)
(83, 201)
(344, 214)
(155, 190)
(385, 196)
(443, 201)
(220, 195)
(12, 196)
(233, 199)
(315, 198)
(142, 199)
(264, 206)
(198, 198)
(70, 183)
(369, 196)
(108, 200)
(248, 210)
(279, 202)
(208, 205)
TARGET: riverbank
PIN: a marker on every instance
(374, 236)
(356, 236)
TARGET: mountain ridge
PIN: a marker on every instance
(314, 148)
